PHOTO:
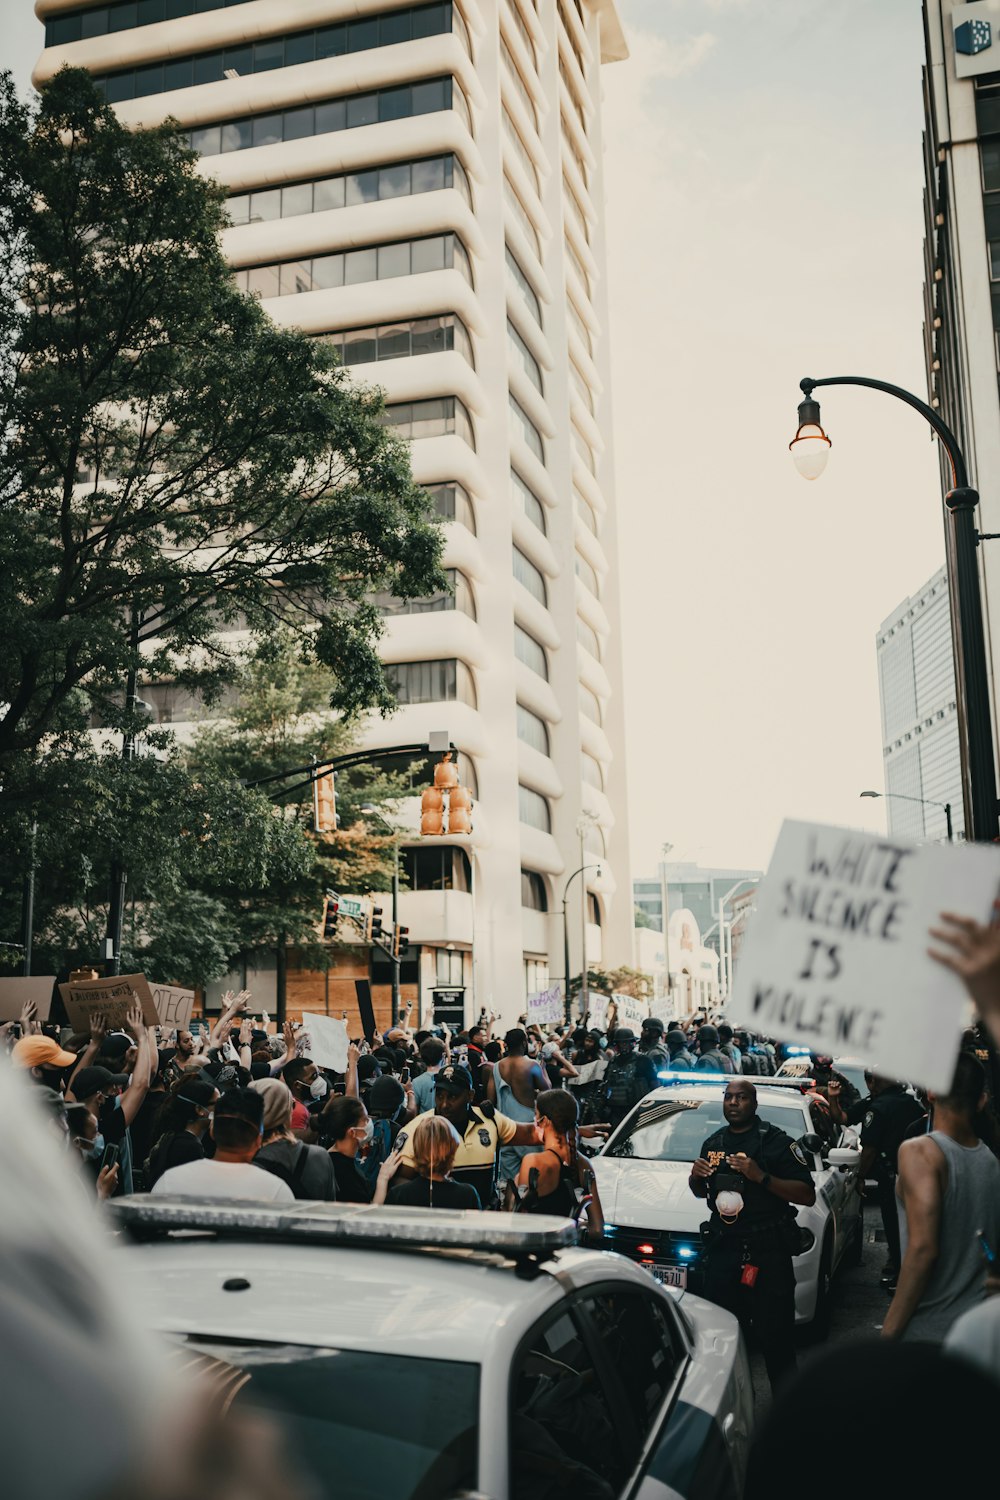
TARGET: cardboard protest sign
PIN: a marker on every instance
(111, 998)
(835, 957)
(173, 1005)
(545, 1007)
(15, 992)
(327, 1045)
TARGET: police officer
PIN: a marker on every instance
(630, 1076)
(890, 1113)
(751, 1177)
(482, 1131)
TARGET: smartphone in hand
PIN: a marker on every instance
(109, 1157)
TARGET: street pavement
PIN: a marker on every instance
(859, 1305)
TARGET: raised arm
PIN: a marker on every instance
(145, 1065)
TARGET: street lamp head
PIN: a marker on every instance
(369, 809)
(870, 794)
(810, 447)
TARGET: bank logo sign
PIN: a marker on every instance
(975, 29)
(973, 37)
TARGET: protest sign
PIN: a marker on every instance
(630, 1012)
(545, 1007)
(111, 998)
(598, 1010)
(835, 957)
(173, 1005)
(16, 992)
(327, 1041)
(363, 990)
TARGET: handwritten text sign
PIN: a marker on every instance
(173, 1005)
(836, 954)
(546, 1007)
(110, 998)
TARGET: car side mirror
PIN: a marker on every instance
(808, 1148)
(844, 1156)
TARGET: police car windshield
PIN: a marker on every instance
(674, 1129)
(356, 1424)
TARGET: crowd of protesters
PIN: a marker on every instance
(427, 1118)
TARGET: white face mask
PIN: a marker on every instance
(364, 1136)
(730, 1206)
(319, 1088)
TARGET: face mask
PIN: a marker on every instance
(730, 1206)
(319, 1088)
(96, 1147)
(367, 1133)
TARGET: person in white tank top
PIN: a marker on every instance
(948, 1192)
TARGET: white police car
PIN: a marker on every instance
(427, 1355)
(652, 1215)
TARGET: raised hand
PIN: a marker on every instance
(133, 1020)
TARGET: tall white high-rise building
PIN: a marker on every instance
(423, 185)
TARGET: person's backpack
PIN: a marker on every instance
(720, 1063)
(378, 1151)
(291, 1175)
(620, 1083)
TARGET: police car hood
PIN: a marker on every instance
(648, 1194)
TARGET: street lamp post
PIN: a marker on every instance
(924, 802)
(565, 923)
(810, 449)
(371, 811)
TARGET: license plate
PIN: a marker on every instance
(669, 1275)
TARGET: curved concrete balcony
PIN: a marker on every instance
(535, 693)
(446, 374)
(462, 550)
(589, 547)
(592, 610)
(573, 128)
(411, 723)
(580, 245)
(535, 618)
(539, 851)
(423, 296)
(408, 218)
(436, 917)
(532, 471)
(535, 932)
(588, 486)
(529, 396)
(596, 802)
(581, 190)
(531, 333)
(585, 420)
(538, 771)
(594, 740)
(583, 359)
(436, 636)
(593, 675)
(534, 544)
(435, 460)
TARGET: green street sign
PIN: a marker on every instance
(352, 906)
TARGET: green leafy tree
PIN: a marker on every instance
(621, 981)
(172, 464)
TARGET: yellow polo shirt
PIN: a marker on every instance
(475, 1159)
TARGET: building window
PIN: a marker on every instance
(523, 286)
(373, 185)
(532, 730)
(449, 971)
(530, 652)
(358, 346)
(588, 638)
(527, 501)
(527, 574)
(349, 267)
(593, 905)
(438, 417)
(431, 682)
(590, 770)
(521, 151)
(458, 595)
(536, 976)
(522, 216)
(533, 809)
(589, 705)
(524, 357)
(989, 152)
(533, 894)
(440, 867)
(526, 427)
(260, 56)
(994, 252)
(452, 503)
(586, 574)
(401, 102)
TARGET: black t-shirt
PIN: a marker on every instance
(416, 1193)
(771, 1148)
(351, 1186)
(173, 1151)
(886, 1122)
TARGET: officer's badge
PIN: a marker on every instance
(869, 1117)
(801, 1156)
(484, 1136)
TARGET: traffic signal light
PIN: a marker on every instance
(445, 807)
(460, 810)
(373, 924)
(331, 911)
(324, 804)
(431, 811)
(400, 939)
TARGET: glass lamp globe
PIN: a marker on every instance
(810, 449)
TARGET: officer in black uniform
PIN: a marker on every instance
(890, 1113)
(751, 1177)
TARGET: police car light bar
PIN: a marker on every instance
(687, 1076)
(350, 1224)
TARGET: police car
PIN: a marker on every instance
(652, 1215)
(428, 1355)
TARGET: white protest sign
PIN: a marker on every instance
(598, 1011)
(629, 1011)
(327, 1041)
(836, 955)
(173, 1005)
(545, 1007)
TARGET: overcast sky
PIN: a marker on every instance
(764, 221)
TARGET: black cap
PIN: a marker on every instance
(385, 1096)
(90, 1081)
(116, 1045)
(454, 1079)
